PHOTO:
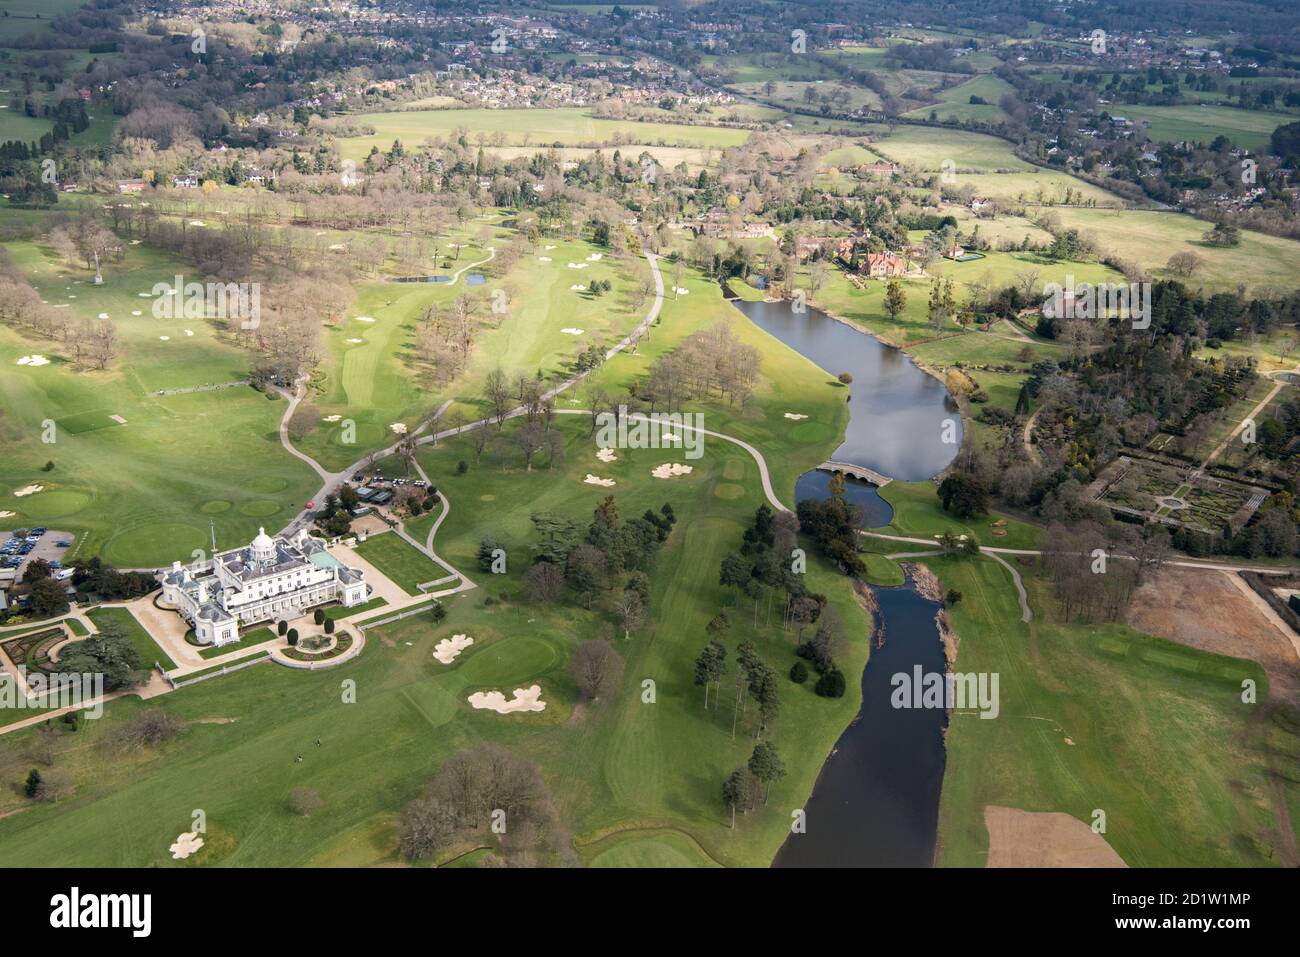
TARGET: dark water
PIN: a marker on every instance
(897, 412)
(876, 512)
(876, 801)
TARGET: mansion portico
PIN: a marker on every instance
(272, 578)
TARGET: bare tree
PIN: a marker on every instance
(530, 438)
(497, 389)
(596, 668)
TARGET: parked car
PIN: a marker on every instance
(63, 544)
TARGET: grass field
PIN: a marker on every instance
(539, 128)
(954, 103)
(648, 772)
(32, 16)
(122, 619)
(927, 148)
(377, 381)
(791, 93)
(1201, 124)
(1035, 187)
(399, 561)
(1100, 717)
(144, 492)
(1150, 238)
(918, 514)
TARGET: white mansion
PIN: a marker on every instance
(271, 578)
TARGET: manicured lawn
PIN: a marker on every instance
(400, 561)
(247, 640)
(654, 848)
(883, 571)
(918, 514)
(613, 764)
(335, 612)
(1101, 717)
(134, 493)
(372, 381)
(125, 622)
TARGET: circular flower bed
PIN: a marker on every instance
(342, 642)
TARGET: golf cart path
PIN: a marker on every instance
(331, 480)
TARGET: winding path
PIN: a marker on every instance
(331, 480)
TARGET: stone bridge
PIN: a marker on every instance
(858, 472)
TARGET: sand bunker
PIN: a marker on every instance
(399, 428)
(544, 259)
(60, 305)
(365, 319)
(680, 291)
(570, 331)
(525, 699)
(332, 418)
(145, 295)
(671, 470)
(594, 257)
(549, 248)
(447, 649)
(165, 338)
(354, 341)
(1044, 839)
(577, 288)
(28, 490)
(33, 361)
(103, 315)
(197, 222)
(607, 455)
(118, 419)
(577, 265)
(597, 480)
(136, 312)
(189, 332)
(7, 514)
(338, 247)
(795, 415)
(187, 844)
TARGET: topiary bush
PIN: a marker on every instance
(798, 672)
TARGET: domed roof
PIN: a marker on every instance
(263, 540)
